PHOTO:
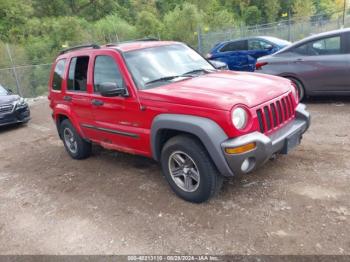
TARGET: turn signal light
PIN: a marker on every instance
(240, 149)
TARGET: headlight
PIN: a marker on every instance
(295, 93)
(239, 118)
(21, 102)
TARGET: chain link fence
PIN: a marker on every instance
(30, 79)
(291, 30)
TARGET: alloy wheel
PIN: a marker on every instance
(184, 172)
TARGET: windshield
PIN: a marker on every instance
(3, 91)
(157, 66)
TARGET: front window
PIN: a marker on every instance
(157, 66)
(3, 91)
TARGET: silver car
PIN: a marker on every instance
(318, 65)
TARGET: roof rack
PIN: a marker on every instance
(135, 40)
(94, 46)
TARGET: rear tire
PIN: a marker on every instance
(75, 145)
(189, 170)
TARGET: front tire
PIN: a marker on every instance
(75, 145)
(189, 170)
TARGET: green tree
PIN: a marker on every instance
(112, 28)
(252, 15)
(148, 24)
(303, 9)
(217, 17)
(271, 9)
(330, 8)
(182, 23)
(13, 16)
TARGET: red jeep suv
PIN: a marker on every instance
(163, 100)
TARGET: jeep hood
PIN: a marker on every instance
(220, 90)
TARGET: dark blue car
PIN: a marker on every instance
(241, 54)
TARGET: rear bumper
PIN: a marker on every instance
(266, 146)
(19, 115)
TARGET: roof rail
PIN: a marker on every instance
(135, 40)
(94, 46)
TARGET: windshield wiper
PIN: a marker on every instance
(196, 71)
(166, 78)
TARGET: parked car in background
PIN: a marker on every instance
(163, 100)
(13, 108)
(219, 65)
(318, 65)
(241, 55)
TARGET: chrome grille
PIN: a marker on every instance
(6, 108)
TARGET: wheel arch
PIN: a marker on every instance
(208, 132)
(293, 76)
(60, 115)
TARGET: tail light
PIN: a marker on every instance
(259, 65)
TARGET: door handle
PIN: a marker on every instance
(67, 98)
(298, 60)
(97, 102)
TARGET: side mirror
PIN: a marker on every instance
(219, 65)
(268, 47)
(109, 89)
(10, 90)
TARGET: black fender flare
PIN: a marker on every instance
(206, 130)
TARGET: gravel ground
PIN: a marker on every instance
(114, 203)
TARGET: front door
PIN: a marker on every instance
(117, 119)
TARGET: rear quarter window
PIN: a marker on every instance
(58, 75)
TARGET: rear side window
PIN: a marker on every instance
(106, 71)
(325, 46)
(235, 46)
(58, 75)
(77, 75)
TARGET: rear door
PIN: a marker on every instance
(322, 64)
(235, 55)
(77, 95)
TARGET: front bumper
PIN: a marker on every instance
(18, 115)
(266, 146)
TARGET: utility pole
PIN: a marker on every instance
(344, 11)
(200, 42)
(289, 21)
(13, 69)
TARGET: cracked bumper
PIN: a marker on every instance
(279, 142)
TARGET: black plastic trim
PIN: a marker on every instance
(117, 132)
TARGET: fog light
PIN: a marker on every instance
(240, 149)
(245, 165)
